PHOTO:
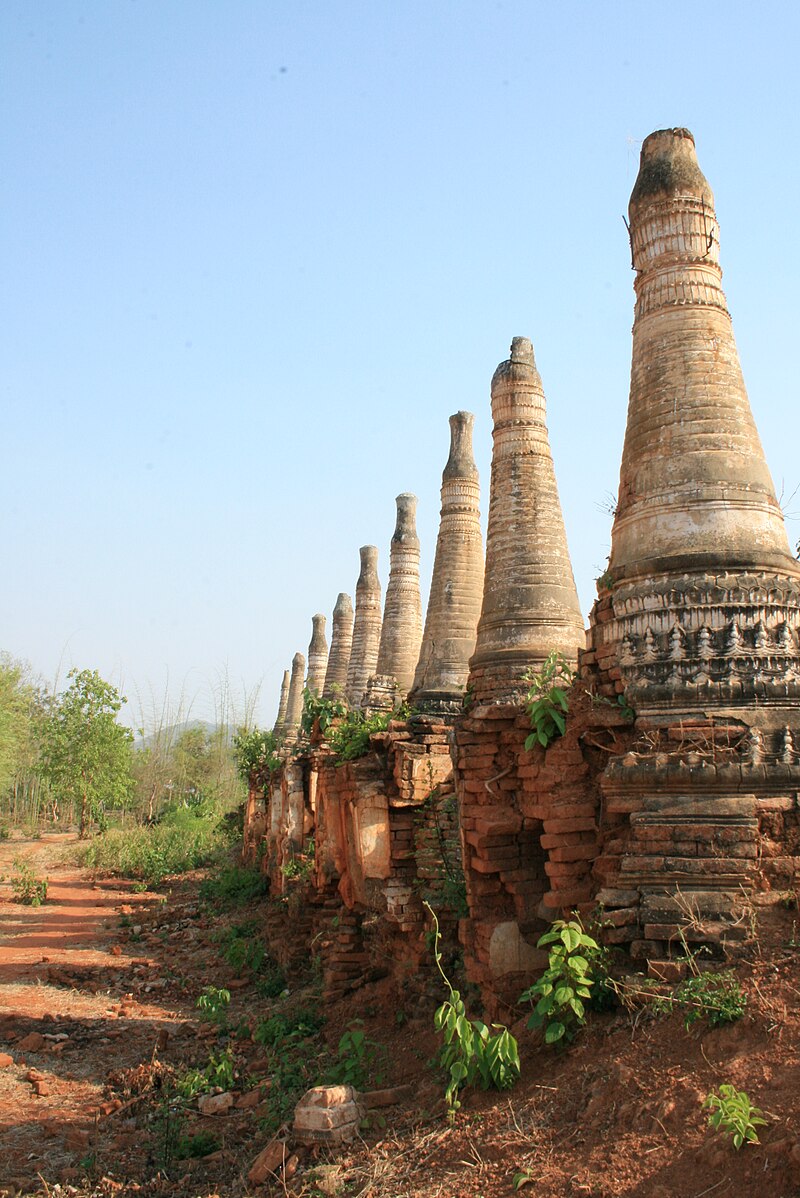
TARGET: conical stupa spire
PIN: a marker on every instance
(317, 656)
(294, 705)
(694, 484)
(282, 704)
(454, 603)
(341, 644)
(401, 631)
(530, 604)
(366, 627)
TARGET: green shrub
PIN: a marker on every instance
(323, 710)
(717, 997)
(287, 1028)
(357, 1057)
(213, 1004)
(27, 887)
(185, 839)
(234, 886)
(349, 740)
(733, 1114)
(256, 754)
(563, 992)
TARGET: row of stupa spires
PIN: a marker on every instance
(486, 622)
(695, 490)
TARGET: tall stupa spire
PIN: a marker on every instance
(454, 603)
(401, 631)
(694, 484)
(294, 706)
(530, 604)
(282, 705)
(317, 655)
(366, 627)
(341, 644)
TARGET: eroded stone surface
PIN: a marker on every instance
(317, 656)
(454, 604)
(341, 645)
(366, 627)
(294, 704)
(283, 703)
(401, 632)
(530, 604)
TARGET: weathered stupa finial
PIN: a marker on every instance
(366, 627)
(530, 604)
(401, 631)
(280, 722)
(294, 705)
(317, 656)
(694, 484)
(454, 604)
(341, 644)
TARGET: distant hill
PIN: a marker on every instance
(171, 733)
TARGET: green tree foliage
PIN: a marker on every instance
(22, 706)
(86, 753)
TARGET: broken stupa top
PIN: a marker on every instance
(695, 489)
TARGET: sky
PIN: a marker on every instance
(254, 254)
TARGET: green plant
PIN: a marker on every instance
(5, 832)
(213, 1004)
(470, 1053)
(562, 993)
(27, 887)
(256, 754)
(221, 1069)
(546, 701)
(234, 886)
(625, 708)
(349, 740)
(202, 1143)
(717, 997)
(323, 711)
(300, 865)
(280, 1029)
(523, 1177)
(356, 1058)
(272, 983)
(733, 1113)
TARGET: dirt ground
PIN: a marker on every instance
(108, 979)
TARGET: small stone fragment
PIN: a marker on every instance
(33, 1042)
(268, 1161)
(215, 1104)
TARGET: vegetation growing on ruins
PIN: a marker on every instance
(546, 700)
(560, 997)
(470, 1053)
(321, 711)
(256, 753)
(349, 739)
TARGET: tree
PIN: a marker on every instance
(21, 713)
(86, 754)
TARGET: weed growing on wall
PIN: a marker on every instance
(349, 739)
(256, 754)
(321, 711)
(546, 701)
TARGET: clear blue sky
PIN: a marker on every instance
(254, 255)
